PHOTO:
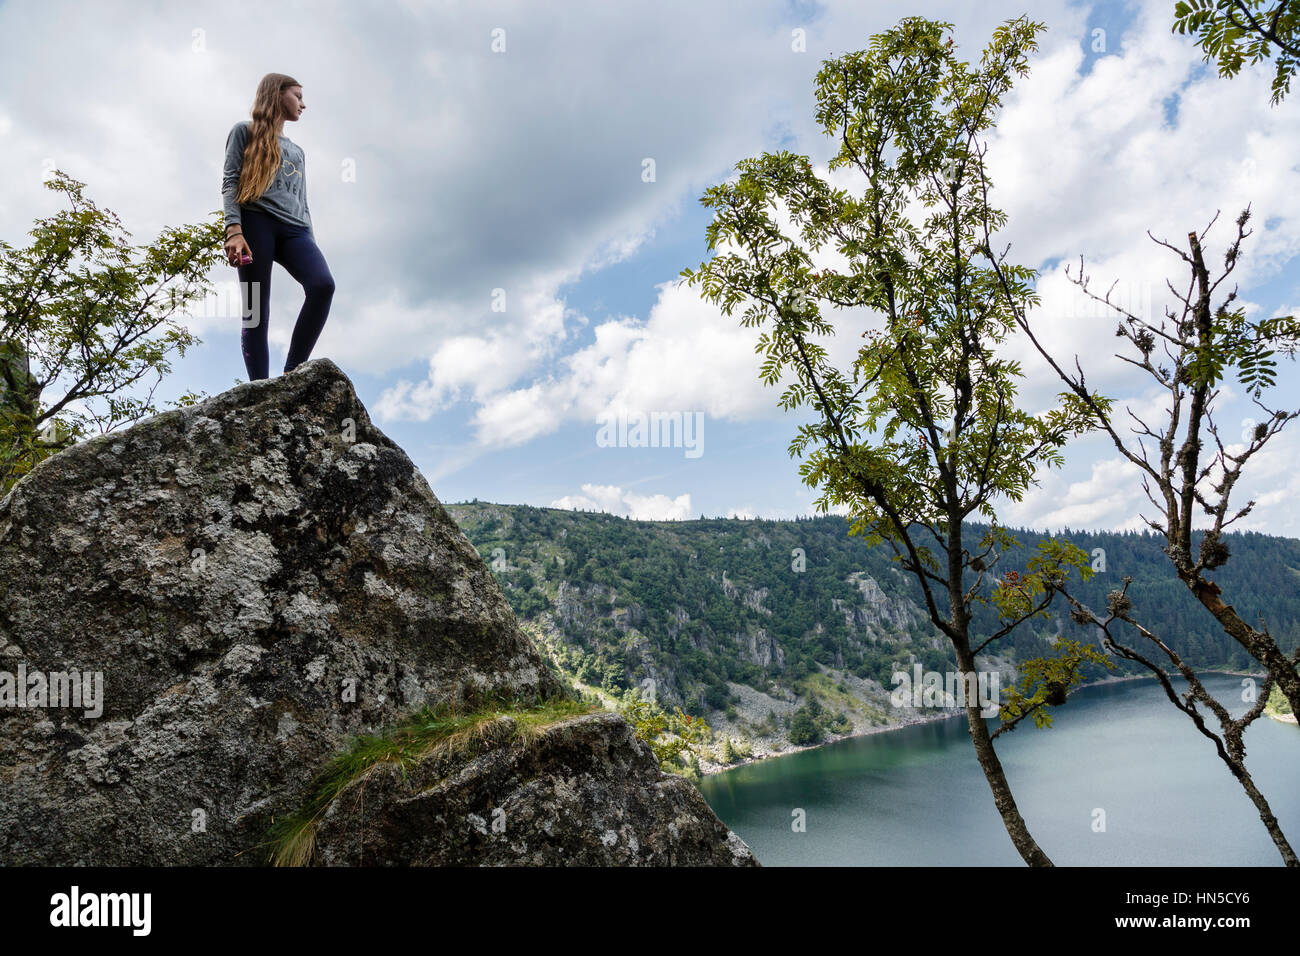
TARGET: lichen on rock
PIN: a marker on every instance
(257, 579)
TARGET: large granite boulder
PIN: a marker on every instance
(587, 792)
(256, 579)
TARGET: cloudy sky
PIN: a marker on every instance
(506, 275)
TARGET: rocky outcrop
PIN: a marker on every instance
(758, 647)
(256, 579)
(586, 793)
(878, 613)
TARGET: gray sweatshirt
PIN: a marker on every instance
(285, 198)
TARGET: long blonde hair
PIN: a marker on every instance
(262, 154)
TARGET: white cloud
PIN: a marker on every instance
(521, 171)
(615, 500)
(1111, 497)
(1087, 164)
(685, 357)
(1272, 480)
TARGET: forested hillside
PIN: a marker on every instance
(790, 630)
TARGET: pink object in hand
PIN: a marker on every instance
(245, 259)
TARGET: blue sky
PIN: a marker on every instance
(521, 170)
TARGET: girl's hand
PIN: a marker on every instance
(237, 247)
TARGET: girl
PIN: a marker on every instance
(264, 195)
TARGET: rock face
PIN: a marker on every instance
(255, 579)
(584, 794)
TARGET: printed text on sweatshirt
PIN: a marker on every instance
(285, 198)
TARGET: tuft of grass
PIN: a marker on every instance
(429, 732)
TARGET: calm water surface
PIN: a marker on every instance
(916, 797)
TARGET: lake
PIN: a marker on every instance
(917, 797)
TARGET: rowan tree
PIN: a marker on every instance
(1189, 471)
(1236, 32)
(85, 316)
(923, 432)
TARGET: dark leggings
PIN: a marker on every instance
(274, 240)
